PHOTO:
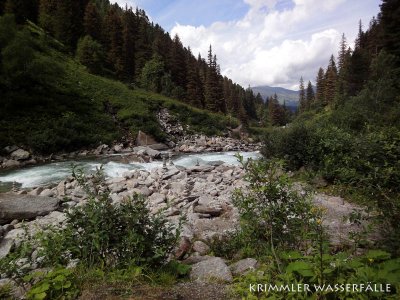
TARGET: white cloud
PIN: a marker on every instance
(123, 3)
(276, 47)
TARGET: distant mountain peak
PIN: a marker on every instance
(290, 97)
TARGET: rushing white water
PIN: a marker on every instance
(55, 172)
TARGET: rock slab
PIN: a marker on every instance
(21, 207)
(211, 270)
(243, 266)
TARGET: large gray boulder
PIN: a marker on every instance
(244, 266)
(213, 269)
(23, 207)
(20, 154)
(11, 163)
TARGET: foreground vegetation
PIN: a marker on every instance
(101, 244)
(282, 228)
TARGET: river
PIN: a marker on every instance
(54, 172)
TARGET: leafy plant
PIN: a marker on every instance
(57, 284)
(273, 215)
(374, 268)
(100, 232)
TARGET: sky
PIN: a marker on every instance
(263, 42)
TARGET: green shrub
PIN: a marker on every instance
(100, 232)
(294, 144)
(91, 54)
(272, 213)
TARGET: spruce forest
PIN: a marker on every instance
(132, 168)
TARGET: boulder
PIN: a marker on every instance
(16, 292)
(11, 163)
(211, 270)
(243, 266)
(143, 139)
(208, 210)
(183, 248)
(204, 168)
(20, 154)
(102, 149)
(153, 153)
(21, 207)
(159, 147)
(61, 189)
(5, 247)
(157, 198)
(171, 172)
(47, 193)
(118, 148)
(200, 247)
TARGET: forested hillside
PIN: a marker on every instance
(122, 43)
(348, 133)
(46, 93)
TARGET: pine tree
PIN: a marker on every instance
(320, 82)
(128, 46)
(342, 52)
(249, 104)
(358, 70)
(390, 19)
(143, 50)
(2, 5)
(342, 84)
(210, 92)
(219, 90)
(302, 96)
(194, 93)
(275, 112)
(22, 9)
(359, 43)
(309, 95)
(177, 62)
(113, 27)
(47, 15)
(92, 22)
(330, 81)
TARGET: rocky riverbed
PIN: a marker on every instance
(201, 193)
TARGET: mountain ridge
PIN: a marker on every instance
(290, 97)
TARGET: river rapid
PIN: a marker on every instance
(113, 166)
